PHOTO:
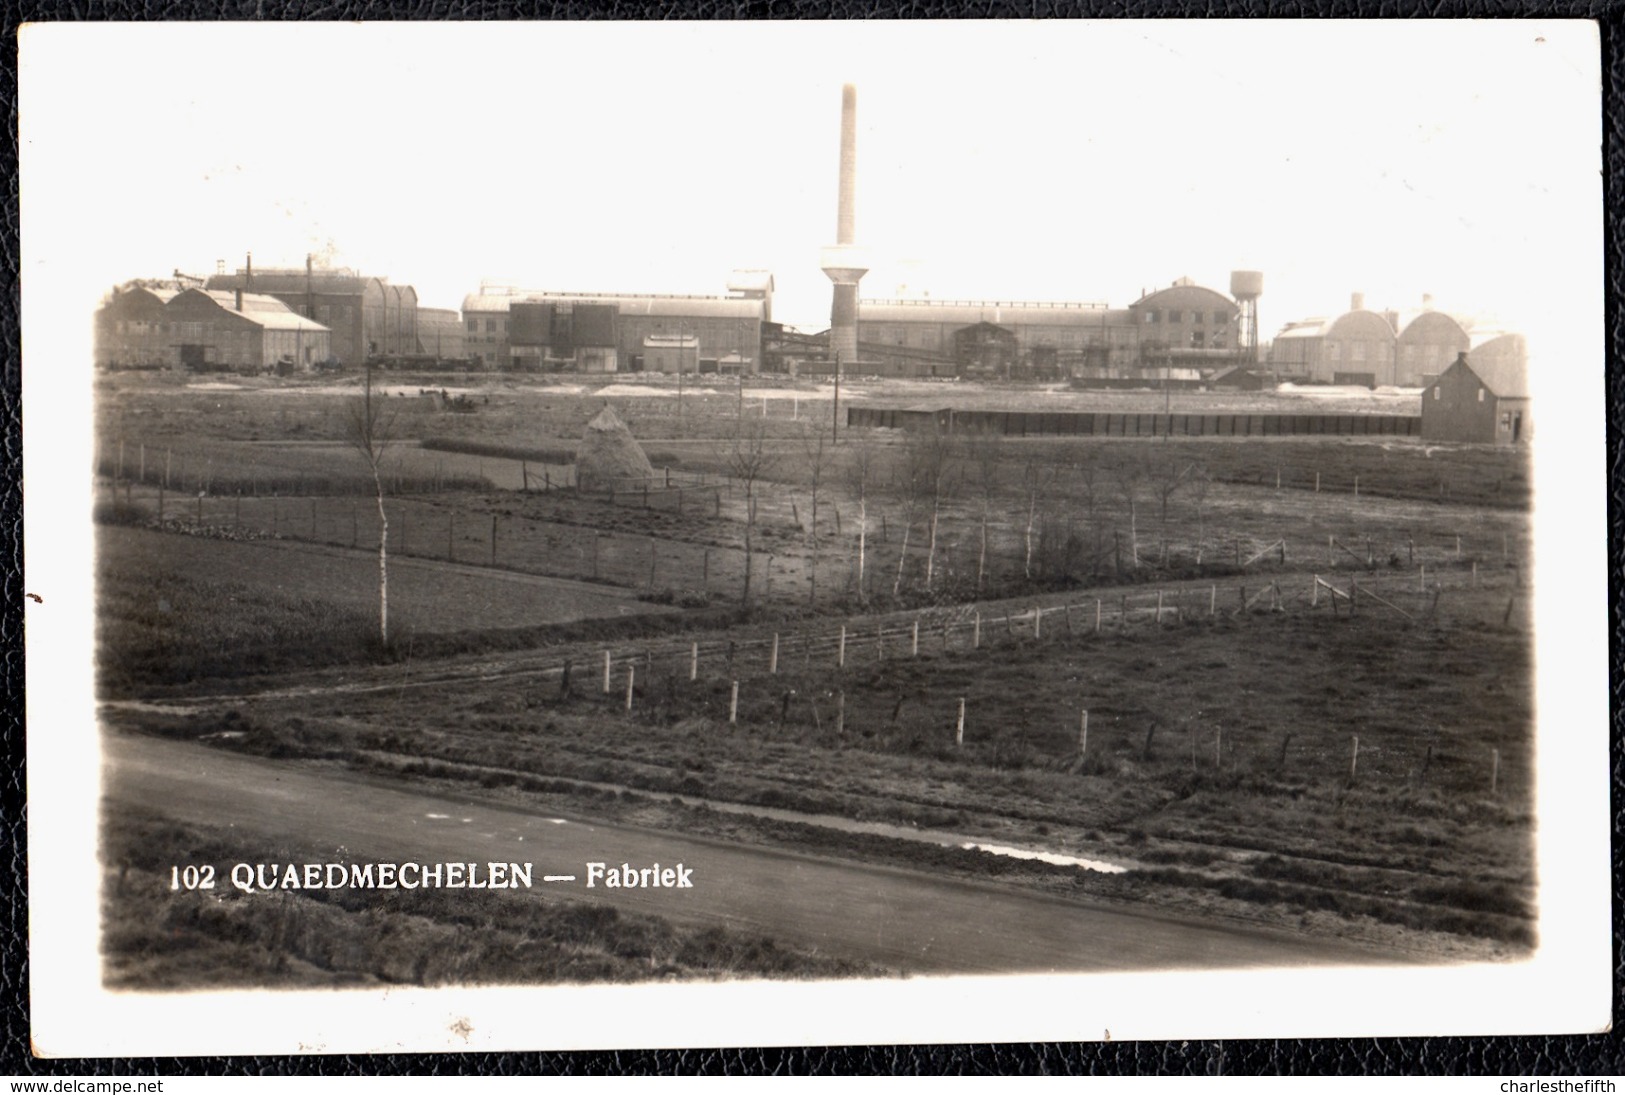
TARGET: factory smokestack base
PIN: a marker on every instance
(841, 262)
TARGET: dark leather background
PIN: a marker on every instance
(1550, 1056)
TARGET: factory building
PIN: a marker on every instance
(369, 317)
(129, 327)
(1186, 325)
(1004, 339)
(1375, 349)
(508, 328)
(1171, 331)
(209, 330)
(1356, 347)
(440, 334)
(1427, 346)
(1481, 401)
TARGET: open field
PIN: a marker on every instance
(1305, 663)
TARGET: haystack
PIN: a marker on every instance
(609, 457)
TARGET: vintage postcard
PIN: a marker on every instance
(641, 535)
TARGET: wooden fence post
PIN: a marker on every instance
(1422, 578)
(693, 661)
(773, 659)
(524, 476)
(959, 730)
(840, 713)
(1218, 748)
(1038, 622)
(1354, 758)
(1495, 771)
(631, 674)
(733, 705)
(1097, 615)
(976, 631)
(1083, 733)
(705, 571)
(914, 641)
(1317, 482)
(606, 672)
(840, 650)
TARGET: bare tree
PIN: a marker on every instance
(1200, 479)
(1128, 475)
(860, 468)
(818, 452)
(749, 459)
(370, 430)
(932, 476)
(1167, 479)
(985, 451)
(1037, 479)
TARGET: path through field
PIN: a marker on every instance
(901, 919)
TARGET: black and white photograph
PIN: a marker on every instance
(582, 536)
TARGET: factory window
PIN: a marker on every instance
(1220, 319)
(473, 326)
(1435, 391)
(1173, 316)
(490, 326)
(1197, 339)
(1153, 316)
(1481, 395)
(1357, 352)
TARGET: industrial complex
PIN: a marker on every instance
(1179, 335)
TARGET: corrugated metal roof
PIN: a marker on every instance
(1505, 376)
(750, 281)
(1184, 288)
(267, 312)
(965, 313)
(1309, 328)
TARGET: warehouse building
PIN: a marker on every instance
(510, 328)
(1004, 339)
(1186, 325)
(1166, 332)
(1427, 346)
(1481, 401)
(129, 326)
(440, 334)
(207, 330)
(369, 318)
(1356, 347)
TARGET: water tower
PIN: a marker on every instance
(842, 262)
(1247, 286)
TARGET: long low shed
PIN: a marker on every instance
(1053, 423)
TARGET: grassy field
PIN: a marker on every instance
(1221, 760)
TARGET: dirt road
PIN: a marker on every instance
(901, 919)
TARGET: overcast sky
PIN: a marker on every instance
(1019, 160)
